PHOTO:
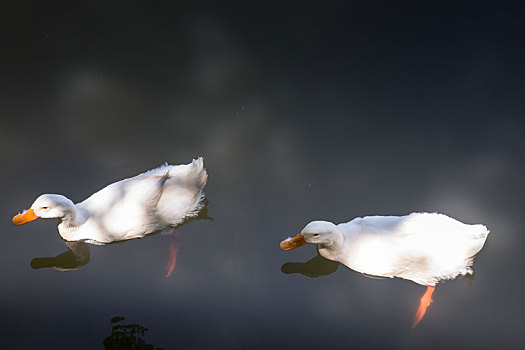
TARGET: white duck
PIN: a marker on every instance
(422, 247)
(132, 208)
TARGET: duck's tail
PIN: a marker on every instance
(198, 172)
(479, 236)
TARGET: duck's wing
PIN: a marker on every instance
(125, 209)
(371, 244)
(145, 203)
(374, 227)
(433, 247)
(438, 231)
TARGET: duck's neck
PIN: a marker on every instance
(333, 250)
(69, 223)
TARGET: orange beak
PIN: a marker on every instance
(292, 243)
(25, 217)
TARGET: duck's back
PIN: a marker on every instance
(152, 201)
(122, 210)
(422, 247)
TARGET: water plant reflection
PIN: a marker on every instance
(127, 336)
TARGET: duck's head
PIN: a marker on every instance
(46, 206)
(316, 232)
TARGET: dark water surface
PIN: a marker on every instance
(302, 112)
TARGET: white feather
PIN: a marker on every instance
(421, 247)
(131, 208)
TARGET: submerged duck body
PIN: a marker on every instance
(421, 247)
(131, 208)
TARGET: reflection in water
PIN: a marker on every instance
(202, 215)
(315, 267)
(320, 266)
(77, 255)
(127, 336)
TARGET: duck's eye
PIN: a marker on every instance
(44, 207)
(316, 235)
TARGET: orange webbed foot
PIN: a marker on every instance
(425, 301)
(174, 248)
